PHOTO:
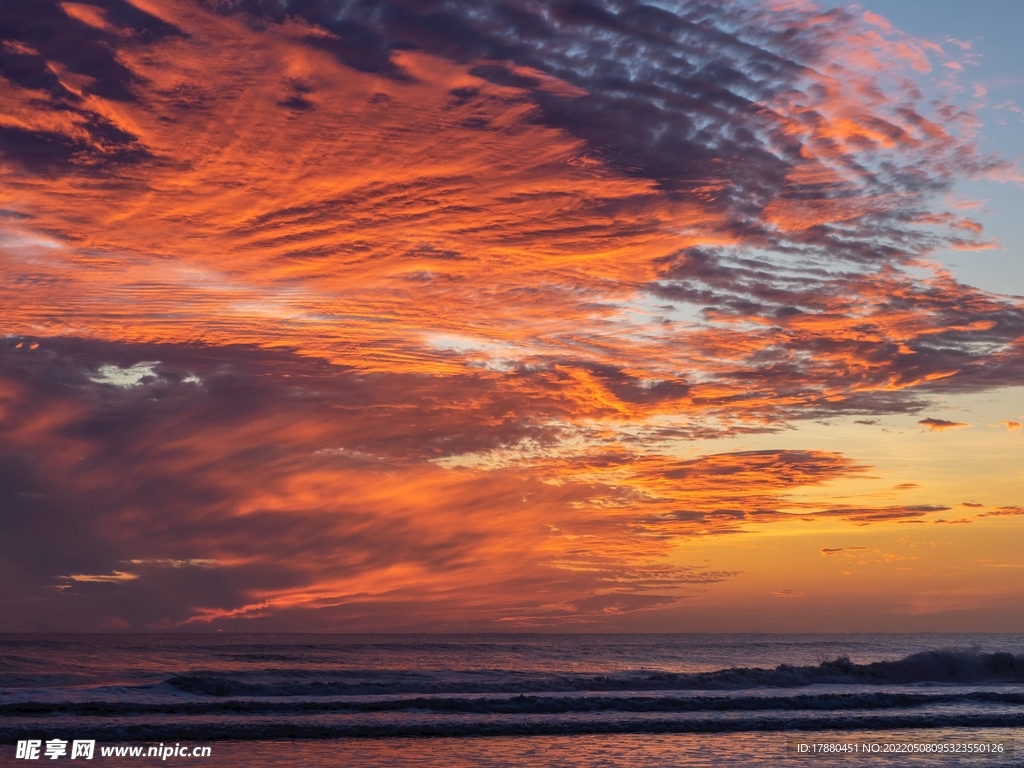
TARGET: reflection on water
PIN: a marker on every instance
(753, 750)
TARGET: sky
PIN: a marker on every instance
(588, 316)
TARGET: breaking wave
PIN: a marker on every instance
(930, 689)
(522, 705)
(939, 666)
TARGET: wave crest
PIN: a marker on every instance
(936, 666)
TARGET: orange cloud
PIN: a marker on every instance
(1004, 512)
(941, 425)
(471, 510)
(829, 552)
(393, 320)
(101, 578)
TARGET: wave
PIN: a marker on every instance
(207, 730)
(938, 666)
(978, 690)
(526, 705)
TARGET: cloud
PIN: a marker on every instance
(101, 578)
(829, 552)
(172, 563)
(941, 425)
(727, 201)
(286, 485)
(62, 76)
(1011, 426)
(441, 295)
(865, 516)
(1013, 511)
(125, 377)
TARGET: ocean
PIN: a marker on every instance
(516, 699)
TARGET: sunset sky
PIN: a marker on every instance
(588, 315)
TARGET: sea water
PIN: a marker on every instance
(517, 700)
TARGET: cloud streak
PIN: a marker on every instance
(941, 425)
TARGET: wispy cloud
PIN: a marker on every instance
(941, 425)
(830, 551)
(1004, 512)
(115, 577)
